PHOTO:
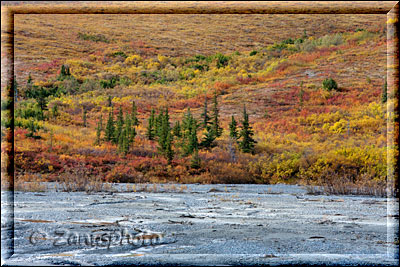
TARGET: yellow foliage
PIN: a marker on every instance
(134, 59)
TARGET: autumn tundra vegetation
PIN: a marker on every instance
(310, 109)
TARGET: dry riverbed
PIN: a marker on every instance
(199, 225)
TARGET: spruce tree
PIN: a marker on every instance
(210, 134)
(120, 124)
(215, 128)
(204, 115)
(189, 133)
(84, 116)
(208, 139)
(163, 131)
(123, 145)
(135, 120)
(64, 72)
(177, 129)
(301, 95)
(110, 127)
(195, 162)
(41, 99)
(165, 137)
(130, 130)
(193, 142)
(32, 127)
(109, 101)
(29, 84)
(54, 111)
(233, 129)
(98, 131)
(150, 126)
(158, 123)
(169, 153)
(247, 142)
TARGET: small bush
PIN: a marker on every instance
(93, 37)
(329, 84)
(252, 53)
(329, 40)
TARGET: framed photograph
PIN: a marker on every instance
(199, 133)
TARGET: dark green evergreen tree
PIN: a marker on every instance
(195, 162)
(189, 133)
(210, 134)
(169, 152)
(54, 111)
(41, 99)
(32, 127)
(110, 128)
(135, 120)
(165, 137)
(204, 115)
(84, 116)
(99, 128)
(158, 123)
(151, 126)
(208, 139)
(29, 79)
(247, 142)
(233, 129)
(177, 130)
(130, 130)
(120, 124)
(215, 128)
(301, 95)
(123, 144)
(109, 101)
(64, 72)
(163, 131)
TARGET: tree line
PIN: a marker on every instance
(182, 136)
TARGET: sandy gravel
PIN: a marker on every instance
(200, 225)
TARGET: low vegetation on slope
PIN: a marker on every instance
(306, 109)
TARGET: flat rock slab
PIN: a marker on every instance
(200, 225)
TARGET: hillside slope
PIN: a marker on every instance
(274, 65)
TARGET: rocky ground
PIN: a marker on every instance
(200, 225)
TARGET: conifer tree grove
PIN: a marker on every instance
(247, 142)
